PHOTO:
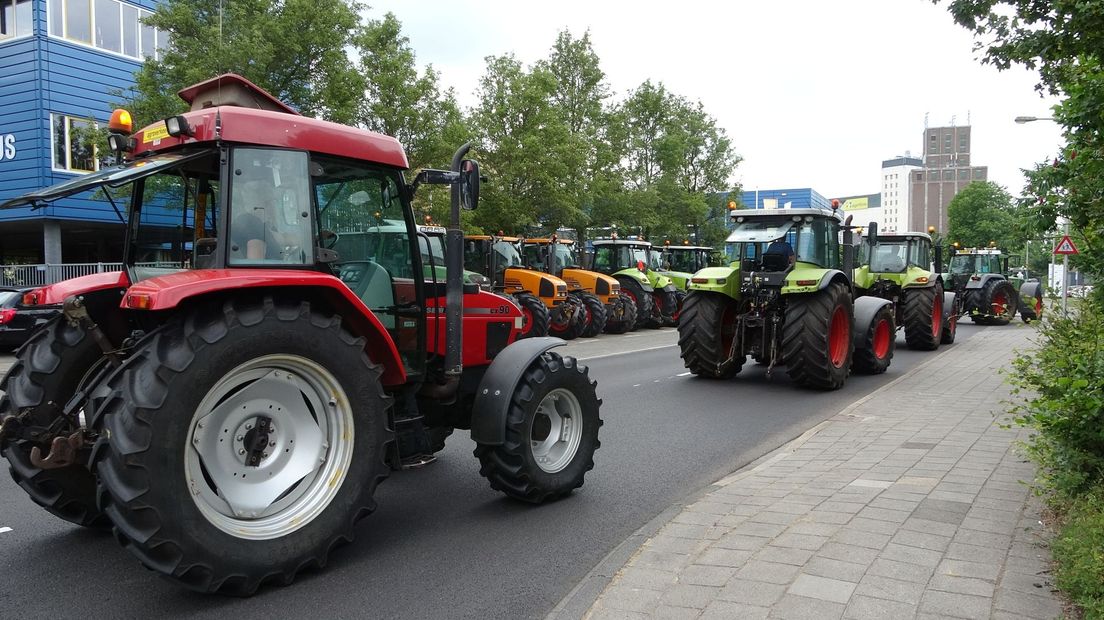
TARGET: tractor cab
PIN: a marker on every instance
(680, 262)
(634, 264)
(774, 243)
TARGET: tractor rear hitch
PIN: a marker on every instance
(63, 452)
(76, 313)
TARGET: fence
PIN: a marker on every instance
(43, 274)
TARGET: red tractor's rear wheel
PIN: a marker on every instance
(241, 444)
(46, 373)
(816, 338)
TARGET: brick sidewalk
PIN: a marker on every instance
(907, 504)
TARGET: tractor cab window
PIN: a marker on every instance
(360, 207)
(604, 258)
(534, 255)
(506, 255)
(889, 257)
(655, 260)
(683, 260)
(920, 253)
(963, 264)
(270, 219)
(563, 256)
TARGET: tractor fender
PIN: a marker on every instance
(170, 291)
(865, 309)
(948, 305)
(985, 278)
(641, 280)
(830, 276)
(496, 389)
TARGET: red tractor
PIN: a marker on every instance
(230, 400)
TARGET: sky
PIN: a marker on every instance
(813, 93)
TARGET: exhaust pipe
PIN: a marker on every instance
(454, 279)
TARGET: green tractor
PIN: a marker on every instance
(896, 267)
(680, 263)
(989, 296)
(787, 299)
(628, 261)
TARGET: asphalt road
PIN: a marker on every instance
(444, 545)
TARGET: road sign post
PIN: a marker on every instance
(1065, 248)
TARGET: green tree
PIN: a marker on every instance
(981, 213)
(1064, 41)
(294, 49)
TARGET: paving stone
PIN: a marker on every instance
(750, 592)
(868, 608)
(955, 605)
(688, 595)
(628, 598)
(927, 526)
(838, 506)
(601, 613)
(912, 555)
(661, 560)
(768, 530)
(877, 586)
(922, 540)
(668, 612)
(696, 518)
(804, 608)
(739, 540)
(819, 515)
(633, 576)
(983, 539)
(988, 526)
(883, 514)
(873, 526)
(724, 557)
(852, 535)
(904, 571)
(770, 572)
(676, 545)
(1028, 605)
(973, 553)
(708, 506)
(724, 610)
(1031, 583)
(706, 575)
(961, 585)
(822, 588)
(813, 529)
(848, 553)
(894, 504)
(835, 569)
(778, 518)
(684, 530)
(963, 568)
(800, 541)
(784, 555)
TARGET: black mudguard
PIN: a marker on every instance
(949, 306)
(1029, 290)
(865, 309)
(492, 399)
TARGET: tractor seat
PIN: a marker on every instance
(775, 262)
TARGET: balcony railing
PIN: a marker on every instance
(43, 274)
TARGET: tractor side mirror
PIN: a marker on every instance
(872, 234)
(469, 184)
(429, 176)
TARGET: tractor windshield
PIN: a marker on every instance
(813, 239)
(507, 254)
(634, 255)
(435, 247)
(890, 257)
(683, 260)
(964, 263)
(655, 260)
(564, 256)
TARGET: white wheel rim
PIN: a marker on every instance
(557, 431)
(261, 493)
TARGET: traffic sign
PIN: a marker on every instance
(1065, 246)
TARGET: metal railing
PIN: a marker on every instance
(43, 274)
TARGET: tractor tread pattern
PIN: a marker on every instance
(627, 321)
(918, 318)
(596, 311)
(699, 340)
(541, 319)
(805, 338)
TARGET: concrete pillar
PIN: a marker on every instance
(51, 242)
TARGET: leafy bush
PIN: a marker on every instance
(1063, 381)
(1079, 553)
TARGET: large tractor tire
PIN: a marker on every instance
(535, 318)
(551, 433)
(881, 341)
(816, 338)
(241, 444)
(1031, 302)
(950, 320)
(923, 317)
(707, 331)
(644, 303)
(623, 316)
(999, 301)
(568, 320)
(594, 314)
(671, 306)
(46, 373)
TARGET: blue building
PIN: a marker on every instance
(62, 63)
(798, 198)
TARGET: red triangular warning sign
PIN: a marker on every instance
(1065, 246)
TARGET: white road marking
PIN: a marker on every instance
(5, 530)
(636, 385)
(683, 374)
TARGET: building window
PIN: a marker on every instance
(73, 151)
(108, 25)
(16, 19)
(979, 174)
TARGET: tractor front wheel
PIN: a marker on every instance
(707, 333)
(568, 320)
(642, 300)
(622, 315)
(923, 317)
(594, 312)
(816, 338)
(535, 318)
(241, 444)
(551, 433)
(881, 341)
(46, 373)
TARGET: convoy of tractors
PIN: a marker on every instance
(231, 412)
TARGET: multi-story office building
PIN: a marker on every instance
(947, 170)
(63, 64)
(895, 191)
(799, 198)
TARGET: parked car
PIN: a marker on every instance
(17, 323)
